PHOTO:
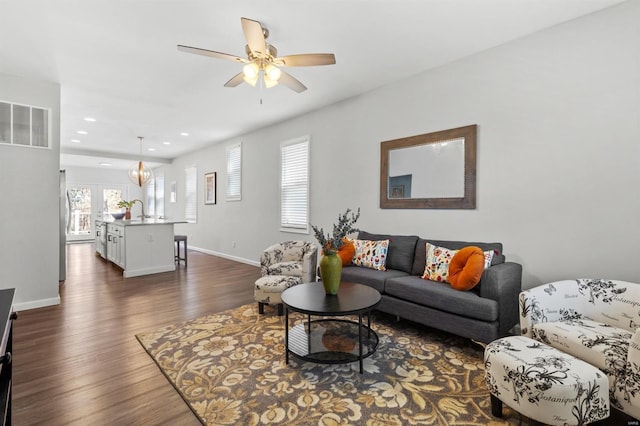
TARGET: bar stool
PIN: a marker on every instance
(178, 239)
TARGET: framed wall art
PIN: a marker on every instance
(210, 188)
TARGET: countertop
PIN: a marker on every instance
(138, 222)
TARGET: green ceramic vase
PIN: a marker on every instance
(331, 272)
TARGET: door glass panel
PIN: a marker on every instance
(111, 197)
(21, 124)
(80, 212)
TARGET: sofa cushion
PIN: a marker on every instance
(601, 345)
(438, 261)
(401, 252)
(420, 259)
(371, 254)
(443, 297)
(370, 277)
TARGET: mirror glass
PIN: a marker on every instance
(433, 170)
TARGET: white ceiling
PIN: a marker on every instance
(117, 61)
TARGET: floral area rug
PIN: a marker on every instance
(230, 368)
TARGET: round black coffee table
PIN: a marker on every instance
(330, 340)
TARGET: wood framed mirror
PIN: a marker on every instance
(429, 171)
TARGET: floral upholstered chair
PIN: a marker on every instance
(595, 320)
(283, 265)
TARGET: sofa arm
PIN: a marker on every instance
(548, 303)
(503, 283)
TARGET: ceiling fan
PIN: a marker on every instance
(262, 59)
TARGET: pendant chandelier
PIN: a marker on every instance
(138, 173)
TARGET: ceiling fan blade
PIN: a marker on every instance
(306, 60)
(235, 80)
(255, 36)
(291, 82)
(210, 53)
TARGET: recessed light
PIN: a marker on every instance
(166, 143)
(105, 164)
(184, 134)
(151, 149)
(82, 132)
(89, 119)
(75, 140)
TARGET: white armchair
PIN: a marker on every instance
(595, 320)
(281, 266)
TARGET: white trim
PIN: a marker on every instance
(34, 304)
(226, 256)
(128, 273)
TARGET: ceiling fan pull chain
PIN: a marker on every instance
(261, 84)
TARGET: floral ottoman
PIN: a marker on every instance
(544, 383)
(269, 288)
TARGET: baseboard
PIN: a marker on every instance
(34, 304)
(226, 256)
(129, 273)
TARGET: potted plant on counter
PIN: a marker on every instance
(127, 205)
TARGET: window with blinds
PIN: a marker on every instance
(150, 196)
(191, 198)
(294, 185)
(234, 172)
(160, 196)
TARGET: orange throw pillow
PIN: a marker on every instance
(466, 267)
(347, 251)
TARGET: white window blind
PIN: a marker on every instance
(160, 196)
(294, 185)
(191, 198)
(234, 172)
(150, 194)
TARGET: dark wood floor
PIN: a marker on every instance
(80, 363)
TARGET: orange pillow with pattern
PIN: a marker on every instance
(466, 267)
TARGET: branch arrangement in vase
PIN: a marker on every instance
(332, 242)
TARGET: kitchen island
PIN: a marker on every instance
(139, 247)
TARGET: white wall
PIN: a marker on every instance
(558, 155)
(29, 193)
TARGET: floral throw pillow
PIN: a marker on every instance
(437, 265)
(488, 257)
(371, 254)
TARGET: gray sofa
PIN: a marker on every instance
(484, 313)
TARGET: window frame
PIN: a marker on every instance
(297, 227)
(234, 172)
(191, 195)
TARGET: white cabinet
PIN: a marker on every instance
(116, 247)
(141, 248)
(101, 238)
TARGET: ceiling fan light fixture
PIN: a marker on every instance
(251, 71)
(268, 82)
(273, 72)
(252, 81)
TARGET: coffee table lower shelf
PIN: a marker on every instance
(332, 341)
